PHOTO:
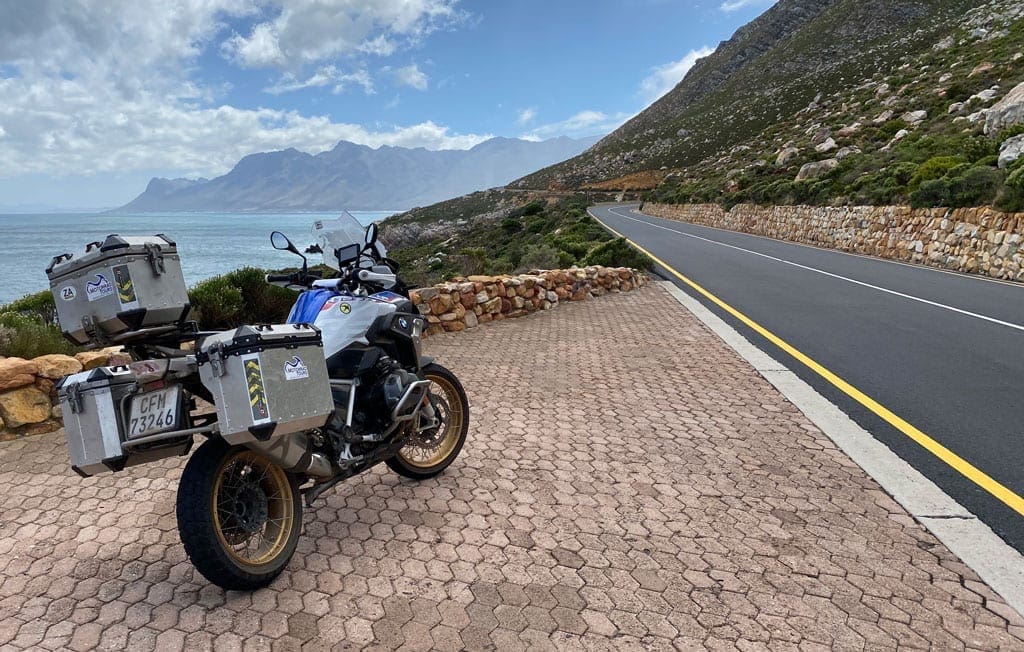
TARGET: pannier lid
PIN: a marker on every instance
(251, 338)
(113, 245)
(96, 378)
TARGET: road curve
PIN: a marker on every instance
(943, 351)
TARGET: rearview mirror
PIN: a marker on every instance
(280, 241)
(371, 233)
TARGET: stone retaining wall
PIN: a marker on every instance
(28, 399)
(466, 303)
(975, 240)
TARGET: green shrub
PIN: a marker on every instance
(511, 225)
(933, 168)
(540, 256)
(216, 304)
(977, 186)
(25, 335)
(472, 260)
(618, 253)
(533, 208)
(239, 297)
(39, 304)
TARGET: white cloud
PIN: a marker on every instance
(664, 78)
(412, 77)
(526, 116)
(324, 76)
(584, 123)
(103, 86)
(735, 5)
(312, 31)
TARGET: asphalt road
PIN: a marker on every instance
(943, 351)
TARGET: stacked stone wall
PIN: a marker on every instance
(466, 303)
(973, 240)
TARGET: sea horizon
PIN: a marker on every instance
(208, 246)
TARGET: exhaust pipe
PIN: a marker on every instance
(291, 453)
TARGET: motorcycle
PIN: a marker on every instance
(239, 502)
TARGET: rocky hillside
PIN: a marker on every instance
(355, 177)
(850, 87)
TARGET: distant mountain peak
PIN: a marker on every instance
(356, 177)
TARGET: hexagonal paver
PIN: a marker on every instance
(612, 495)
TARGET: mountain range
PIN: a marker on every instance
(355, 177)
(791, 57)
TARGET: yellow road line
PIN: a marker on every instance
(962, 466)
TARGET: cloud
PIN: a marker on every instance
(735, 5)
(584, 123)
(302, 32)
(412, 77)
(526, 116)
(664, 78)
(324, 76)
(104, 86)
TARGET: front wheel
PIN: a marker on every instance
(429, 451)
(239, 515)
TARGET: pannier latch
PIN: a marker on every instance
(156, 258)
(216, 354)
(74, 395)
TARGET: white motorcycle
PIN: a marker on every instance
(338, 389)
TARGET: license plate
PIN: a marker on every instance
(154, 412)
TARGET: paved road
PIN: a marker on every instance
(943, 351)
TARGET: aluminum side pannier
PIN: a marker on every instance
(266, 381)
(98, 406)
(119, 287)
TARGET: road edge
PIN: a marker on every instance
(996, 563)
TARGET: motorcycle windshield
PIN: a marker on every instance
(336, 234)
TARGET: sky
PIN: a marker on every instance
(98, 96)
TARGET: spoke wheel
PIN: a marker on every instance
(239, 515)
(435, 445)
(253, 511)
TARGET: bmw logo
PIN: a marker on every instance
(403, 322)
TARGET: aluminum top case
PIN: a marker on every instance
(119, 287)
(266, 380)
(93, 405)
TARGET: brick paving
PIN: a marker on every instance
(629, 483)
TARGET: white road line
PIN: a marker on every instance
(903, 295)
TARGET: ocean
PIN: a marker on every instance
(209, 243)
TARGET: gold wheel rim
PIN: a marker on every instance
(249, 481)
(424, 454)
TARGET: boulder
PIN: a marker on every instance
(982, 67)
(23, 406)
(17, 372)
(471, 320)
(847, 151)
(1011, 150)
(817, 169)
(821, 135)
(426, 294)
(1006, 112)
(944, 44)
(986, 95)
(826, 146)
(92, 359)
(883, 117)
(955, 107)
(786, 155)
(849, 130)
(914, 117)
(56, 365)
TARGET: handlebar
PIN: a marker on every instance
(278, 278)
